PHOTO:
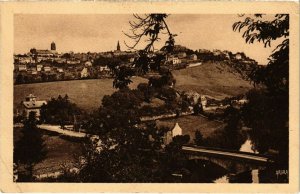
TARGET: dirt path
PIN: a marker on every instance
(56, 128)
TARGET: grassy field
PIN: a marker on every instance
(190, 124)
(87, 94)
(214, 79)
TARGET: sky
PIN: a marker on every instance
(98, 33)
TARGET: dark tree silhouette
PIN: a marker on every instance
(146, 27)
(150, 26)
(198, 138)
(59, 111)
(276, 74)
(267, 112)
(128, 154)
(30, 149)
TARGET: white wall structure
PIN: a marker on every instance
(176, 130)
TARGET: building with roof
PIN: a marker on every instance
(22, 67)
(44, 53)
(47, 68)
(39, 67)
(31, 104)
(177, 130)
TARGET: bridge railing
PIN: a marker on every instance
(228, 150)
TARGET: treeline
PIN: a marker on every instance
(59, 111)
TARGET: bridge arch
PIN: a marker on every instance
(233, 161)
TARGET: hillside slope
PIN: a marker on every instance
(87, 94)
(215, 79)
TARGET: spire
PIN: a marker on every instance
(118, 47)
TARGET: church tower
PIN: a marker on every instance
(118, 47)
(53, 46)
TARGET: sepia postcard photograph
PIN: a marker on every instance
(142, 97)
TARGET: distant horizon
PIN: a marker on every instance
(100, 33)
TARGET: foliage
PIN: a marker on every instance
(129, 153)
(198, 138)
(153, 111)
(267, 111)
(30, 149)
(67, 56)
(123, 73)
(117, 111)
(185, 105)
(267, 115)
(59, 111)
(110, 62)
(198, 109)
(175, 160)
(149, 27)
(124, 149)
(275, 75)
(230, 137)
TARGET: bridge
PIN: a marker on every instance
(234, 161)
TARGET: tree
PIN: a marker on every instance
(33, 50)
(30, 149)
(19, 79)
(229, 137)
(267, 111)
(59, 111)
(66, 55)
(129, 152)
(198, 108)
(268, 117)
(175, 160)
(150, 26)
(146, 27)
(198, 138)
(276, 74)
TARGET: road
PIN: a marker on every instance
(226, 153)
(56, 128)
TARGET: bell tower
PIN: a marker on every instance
(53, 46)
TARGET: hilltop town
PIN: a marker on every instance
(160, 114)
(50, 65)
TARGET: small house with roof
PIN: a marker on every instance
(177, 130)
(31, 104)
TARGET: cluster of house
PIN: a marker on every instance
(49, 65)
(211, 105)
(181, 57)
(38, 64)
(217, 54)
(184, 57)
